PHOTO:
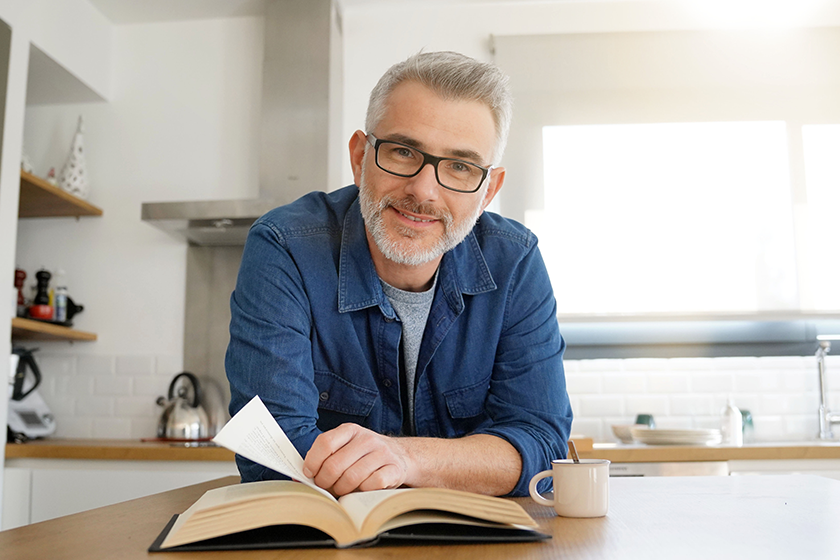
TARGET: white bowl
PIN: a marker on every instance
(622, 432)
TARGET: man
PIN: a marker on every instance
(397, 333)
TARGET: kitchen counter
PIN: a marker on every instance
(700, 517)
(119, 450)
(640, 453)
(135, 450)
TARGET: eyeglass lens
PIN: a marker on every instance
(454, 174)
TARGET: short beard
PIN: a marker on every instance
(399, 248)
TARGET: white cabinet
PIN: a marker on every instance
(829, 468)
(40, 489)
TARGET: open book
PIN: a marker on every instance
(292, 513)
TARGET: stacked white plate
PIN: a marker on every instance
(657, 436)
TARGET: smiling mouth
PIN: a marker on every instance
(414, 218)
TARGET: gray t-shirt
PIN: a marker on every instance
(413, 310)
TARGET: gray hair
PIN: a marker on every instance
(452, 76)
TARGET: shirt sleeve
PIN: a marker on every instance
(270, 352)
(528, 401)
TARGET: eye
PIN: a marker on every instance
(459, 167)
(396, 151)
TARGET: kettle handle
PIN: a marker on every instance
(194, 380)
(26, 359)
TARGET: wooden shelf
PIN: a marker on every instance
(39, 199)
(28, 329)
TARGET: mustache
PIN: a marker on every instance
(410, 205)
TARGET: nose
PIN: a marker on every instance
(424, 186)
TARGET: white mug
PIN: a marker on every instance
(580, 489)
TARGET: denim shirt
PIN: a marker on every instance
(313, 334)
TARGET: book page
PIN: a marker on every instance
(254, 433)
(360, 504)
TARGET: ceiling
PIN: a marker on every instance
(149, 11)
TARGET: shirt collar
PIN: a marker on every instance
(463, 270)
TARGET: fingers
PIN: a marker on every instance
(325, 445)
(350, 457)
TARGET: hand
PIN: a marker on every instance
(351, 457)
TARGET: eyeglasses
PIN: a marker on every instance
(404, 161)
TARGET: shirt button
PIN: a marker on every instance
(324, 396)
(386, 382)
(389, 319)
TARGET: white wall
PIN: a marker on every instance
(181, 124)
(72, 32)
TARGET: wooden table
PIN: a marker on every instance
(766, 517)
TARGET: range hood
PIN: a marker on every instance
(301, 75)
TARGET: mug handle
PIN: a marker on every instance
(532, 489)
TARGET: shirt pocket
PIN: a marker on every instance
(466, 406)
(340, 401)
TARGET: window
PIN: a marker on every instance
(821, 146)
(677, 218)
(684, 186)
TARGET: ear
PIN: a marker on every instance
(497, 179)
(357, 154)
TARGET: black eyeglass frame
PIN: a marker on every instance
(427, 159)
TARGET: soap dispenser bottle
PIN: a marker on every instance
(731, 425)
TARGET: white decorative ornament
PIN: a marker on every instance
(73, 177)
(25, 163)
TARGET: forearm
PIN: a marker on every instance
(479, 463)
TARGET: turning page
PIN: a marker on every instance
(254, 433)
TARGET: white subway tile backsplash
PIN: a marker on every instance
(73, 427)
(691, 364)
(648, 404)
(169, 365)
(624, 382)
(94, 406)
(799, 380)
(773, 404)
(600, 365)
(803, 403)
(769, 428)
(668, 382)
(114, 396)
(61, 405)
(136, 407)
(96, 365)
(732, 363)
(74, 386)
(111, 428)
(590, 427)
(798, 427)
(757, 382)
(143, 427)
(152, 386)
(601, 405)
(582, 383)
(646, 364)
(112, 385)
(674, 423)
(693, 405)
(711, 382)
(55, 364)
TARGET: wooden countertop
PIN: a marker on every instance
(640, 453)
(135, 450)
(115, 450)
(789, 516)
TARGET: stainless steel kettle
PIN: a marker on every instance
(183, 417)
